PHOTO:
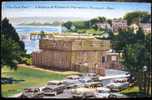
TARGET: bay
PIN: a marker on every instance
(24, 32)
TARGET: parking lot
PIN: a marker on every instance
(77, 83)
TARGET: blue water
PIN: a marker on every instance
(33, 45)
(28, 28)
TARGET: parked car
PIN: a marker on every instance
(74, 85)
(93, 84)
(102, 92)
(121, 80)
(117, 95)
(54, 88)
(118, 86)
(95, 79)
(85, 79)
(55, 82)
(83, 92)
(91, 74)
(72, 79)
(32, 93)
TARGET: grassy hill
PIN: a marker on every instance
(28, 77)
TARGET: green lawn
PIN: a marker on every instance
(31, 77)
(133, 92)
(133, 89)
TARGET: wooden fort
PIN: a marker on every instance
(77, 53)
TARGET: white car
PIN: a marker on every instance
(117, 95)
(102, 92)
(83, 92)
(53, 88)
(91, 74)
(118, 86)
(85, 79)
(71, 79)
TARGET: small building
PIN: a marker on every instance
(146, 27)
(104, 25)
(76, 53)
(119, 24)
(112, 60)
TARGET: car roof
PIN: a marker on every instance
(93, 82)
(73, 76)
(55, 81)
(103, 88)
(52, 86)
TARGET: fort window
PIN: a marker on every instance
(103, 59)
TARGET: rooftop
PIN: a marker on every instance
(77, 42)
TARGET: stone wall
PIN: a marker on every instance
(73, 44)
(58, 59)
(72, 54)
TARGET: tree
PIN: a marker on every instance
(124, 37)
(136, 17)
(148, 78)
(42, 34)
(140, 36)
(9, 32)
(136, 57)
(137, 50)
(12, 49)
(101, 19)
(109, 21)
(10, 52)
(93, 22)
(68, 25)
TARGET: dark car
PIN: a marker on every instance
(76, 85)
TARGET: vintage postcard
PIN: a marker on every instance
(76, 49)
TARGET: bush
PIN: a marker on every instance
(28, 61)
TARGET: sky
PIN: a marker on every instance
(79, 9)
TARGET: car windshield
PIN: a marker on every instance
(69, 78)
(72, 78)
(47, 89)
(102, 91)
(28, 90)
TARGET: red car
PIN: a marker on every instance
(32, 93)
